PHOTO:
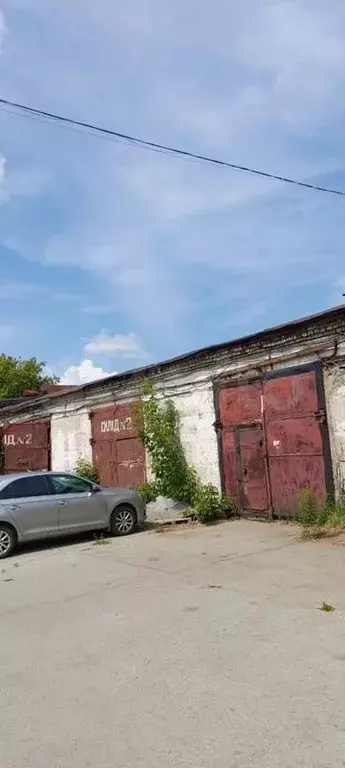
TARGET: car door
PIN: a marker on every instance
(32, 506)
(79, 507)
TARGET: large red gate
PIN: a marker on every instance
(118, 454)
(273, 440)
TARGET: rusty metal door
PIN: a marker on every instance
(252, 471)
(297, 437)
(26, 446)
(243, 446)
(118, 454)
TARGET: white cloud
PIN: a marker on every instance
(10, 290)
(126, 345)
(83, 373)
(25, 182)
(2, 28)
(99, 309)
(3, 194)
(28, 182)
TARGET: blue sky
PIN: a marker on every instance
(111, 256)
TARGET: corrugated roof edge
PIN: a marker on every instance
(188, 356)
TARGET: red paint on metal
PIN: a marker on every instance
(294, 441)
(291, 395)
(252, 465)
(26, 446)
(272, 443)
(118, 454)
(240, 405)
(230, 463)
(290, 475)
(243, 445)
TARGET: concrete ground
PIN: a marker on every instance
(194, 648)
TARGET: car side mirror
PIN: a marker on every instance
(95, 489)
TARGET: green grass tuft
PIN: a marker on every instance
(326, 607)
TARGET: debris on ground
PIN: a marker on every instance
(166, 509)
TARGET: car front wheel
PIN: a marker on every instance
(123, 520)
(8, 540)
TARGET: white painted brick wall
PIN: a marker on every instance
(196, 416)
(70, 440)
(334, 380)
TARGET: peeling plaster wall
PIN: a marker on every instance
(70, 439)
(196, 417)
(334, 380)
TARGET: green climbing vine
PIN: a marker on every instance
(158, 429)
(157, 421)
(84, 468)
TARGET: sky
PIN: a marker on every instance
(112, 257)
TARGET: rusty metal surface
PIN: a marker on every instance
(231, 485)
(272, 446)
(253, 490)
(243, 445)
(118, 454)
(294, 440)
(291, 395)
(26, 446)
(289, 475)
(240, 405)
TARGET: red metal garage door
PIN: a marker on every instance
(273, 440)
(118, 454)
(26, 446)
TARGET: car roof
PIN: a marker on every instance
(4, 479)
(13, 476)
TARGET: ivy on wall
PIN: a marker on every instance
(157, 422)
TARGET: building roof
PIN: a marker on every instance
(28, 396)
(320, 319)
(8, 401)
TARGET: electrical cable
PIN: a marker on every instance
(156, 147)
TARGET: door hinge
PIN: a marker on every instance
(320, 416)
(217, 425)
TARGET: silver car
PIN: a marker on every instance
(38, 505)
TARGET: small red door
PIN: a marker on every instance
(253, 486)
(243, 445)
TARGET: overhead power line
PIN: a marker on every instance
(156, 147)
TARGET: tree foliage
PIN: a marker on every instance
(17, 375)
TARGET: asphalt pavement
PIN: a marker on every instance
(187, 648)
